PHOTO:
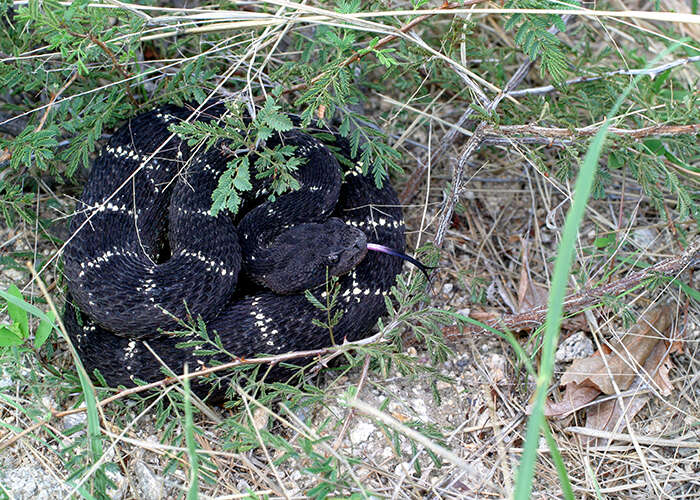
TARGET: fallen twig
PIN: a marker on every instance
(619, 436)
(167, 381)
(630, 72)
(552, 132)
(574, 302)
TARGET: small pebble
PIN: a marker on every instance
(645, 237)
(361, 432)
(70, 421)
(148, 485)
(574, 347)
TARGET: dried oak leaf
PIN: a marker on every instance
(644, 350)
(530, 293)
(609, 414)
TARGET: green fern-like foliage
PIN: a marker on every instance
(242, 136)
(533, 36)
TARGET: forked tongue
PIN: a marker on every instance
(390, 251)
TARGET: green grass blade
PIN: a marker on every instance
(94, 431)
(562, 268)
(193, 490)
(559, 464)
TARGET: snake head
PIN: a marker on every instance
(303, 256)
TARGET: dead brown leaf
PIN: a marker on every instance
(642, 355)
(622, 363)
(530, 294)
(571, 401)
(609, 415)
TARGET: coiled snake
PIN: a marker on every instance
(146, 252)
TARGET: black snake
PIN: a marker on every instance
(146, 252)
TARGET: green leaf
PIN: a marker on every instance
(17, 313)
(10, 336)
(234, 202)
(34, 148)
(655, 146)
(43, 331)
(242, 179)
(615, 161)
(33, 310)
(659, 80)
(217, 203)
(271, 116)
(689, 291)
(314, 301)
(604, 241)
(349, 6)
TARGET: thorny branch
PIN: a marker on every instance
(532, 134)
(629, 72)
(565, 133)
(475, 142)
(586, 297)
(472, 145)
(537, 135)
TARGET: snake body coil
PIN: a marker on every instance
(147, 253)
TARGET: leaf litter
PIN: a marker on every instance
(633, 368)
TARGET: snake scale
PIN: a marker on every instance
(146, 252)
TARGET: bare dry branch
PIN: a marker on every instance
(574, 302)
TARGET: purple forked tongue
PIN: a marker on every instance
(390, 251)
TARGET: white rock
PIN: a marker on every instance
(575, 347)
(148, 485)
(33, 482)
(5, 380)
(15, 276)
(421, 409)
(464, 311)
(404, 469)
(645, 237)
(70, 421)
(361, 432)
(497, 368)
(120, 483)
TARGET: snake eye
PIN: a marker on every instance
(333, 258)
